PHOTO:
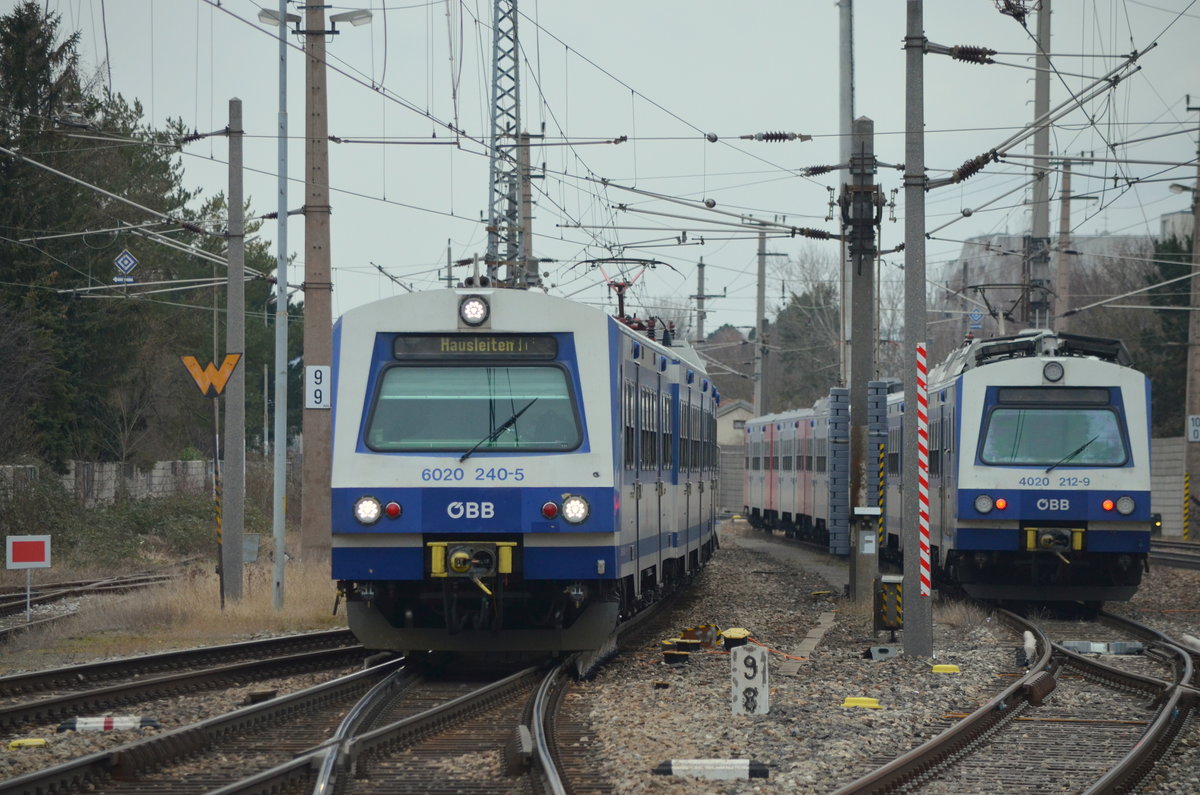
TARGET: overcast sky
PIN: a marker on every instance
(663, 73)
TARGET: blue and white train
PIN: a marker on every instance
(513, 471)
(1039, 470)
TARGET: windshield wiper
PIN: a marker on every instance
(504, 426)
(1073, 453)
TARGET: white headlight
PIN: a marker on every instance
(1125, 505)
(983, 503)
(367, 510)
(575, 509)
(473, 310)
(1053, 371)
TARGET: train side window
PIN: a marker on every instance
(935, 449)
(667, 432)
(628, 410)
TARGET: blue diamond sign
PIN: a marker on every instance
(125, 262)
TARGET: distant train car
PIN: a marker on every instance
(1039, 469)
(513, 471)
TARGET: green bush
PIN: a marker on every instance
(129, 534)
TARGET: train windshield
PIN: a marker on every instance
(490, 409)
(1054, 435)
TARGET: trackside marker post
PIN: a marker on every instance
(923, 467)
(29, 553)
(713, 768)
(751, 692)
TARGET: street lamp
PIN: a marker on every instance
(359, 16)
(279, 497)
(269, 17)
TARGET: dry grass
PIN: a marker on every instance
(185, 613)
(958, 614)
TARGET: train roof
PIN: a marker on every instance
(1031, 342)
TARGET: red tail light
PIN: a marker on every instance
(550, 510)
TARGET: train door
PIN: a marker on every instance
(706, 498)
(649, 480)
(789, 470)
(631, 488)
(803, 498)
(668, 514)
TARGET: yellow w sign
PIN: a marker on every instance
(211, 380)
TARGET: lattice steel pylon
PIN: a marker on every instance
(504, 221)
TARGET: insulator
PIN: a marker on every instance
(973, 166)
(972, 54)
(813, 171)
(774, 136)
(818, 234)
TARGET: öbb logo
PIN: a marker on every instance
(1053, 505)
(471, 510)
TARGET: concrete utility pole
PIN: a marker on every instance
(234, 496)
(760, 350)
(1192, 456)
(318, 290)
(279, 469)
(530, 276)
(701, 297)
(1036, 276)
(918, 610)
(859, 219)
(1062, 263)
(846, 130)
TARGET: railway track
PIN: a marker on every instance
(415, 725)
(1175, 554)
(1070, 723)
(15, 603)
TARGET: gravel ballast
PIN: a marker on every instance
(644, 713)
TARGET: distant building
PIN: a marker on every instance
(1176, 225)
(731, 422)
(731, 436)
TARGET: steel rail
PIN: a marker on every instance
(404, 731)
(545, 705)
(172, 684)
(962, 736)
(1174, 714)
(92, 771)
(73, 675)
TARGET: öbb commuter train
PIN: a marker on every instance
(513, 471)
(1039, 469)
